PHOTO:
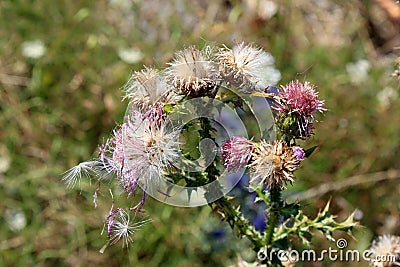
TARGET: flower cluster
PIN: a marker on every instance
(143, 150)
(147, 150)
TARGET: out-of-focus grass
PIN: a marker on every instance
(56, 109)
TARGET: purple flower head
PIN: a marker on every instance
(296, 105)
(301, 98)
(236, 153)
(298, 152)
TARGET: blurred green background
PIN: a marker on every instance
(62, 64)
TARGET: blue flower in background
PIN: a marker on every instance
(253, 211)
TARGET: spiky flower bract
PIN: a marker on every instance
(273, 165)
(296, 105)
(236, 153)
(385, 251)
(194, 73)
(247, 67)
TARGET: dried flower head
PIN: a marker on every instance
(247, 67)
(146, 88)
(121, 227)
(385, 251)
(236, 153)
(149, 150)
(273, 164)
(194, 73)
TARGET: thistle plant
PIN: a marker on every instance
(192, 130)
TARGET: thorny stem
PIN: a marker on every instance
(205, 132)
(236, 220)
(274, 207)
(229, 213)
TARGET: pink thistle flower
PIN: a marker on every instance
(300, 98)
(236, 153)
(296, 104)
(149, 150)
(140, 150)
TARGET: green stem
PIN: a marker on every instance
(274, 208)
(233, 215)
(236, 220)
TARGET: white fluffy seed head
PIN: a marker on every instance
(193, 72)
(147, 87)
(387, 249)
(123, 228)
(247, 67)
(149, 148)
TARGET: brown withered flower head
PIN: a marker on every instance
(194, 73)
(273, 164)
